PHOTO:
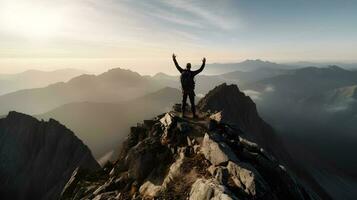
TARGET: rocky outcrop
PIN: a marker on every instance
(170, 157)
(232, 106)
(229, 105)
(37, 158)
(216, 151)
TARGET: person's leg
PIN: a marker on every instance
(184, 99)
(192, 101)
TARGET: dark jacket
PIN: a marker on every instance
(187, 77)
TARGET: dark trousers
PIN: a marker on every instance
(191, 95)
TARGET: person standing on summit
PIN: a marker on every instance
(188, 84)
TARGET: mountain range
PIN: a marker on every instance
(113, 86)
(35, 79)
(104, 125)
(245, 66)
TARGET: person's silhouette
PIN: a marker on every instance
(188, 84)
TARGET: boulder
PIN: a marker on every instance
(168, 120)
(144, 157)
(204, 189)
(149, 190)
(216, 151)
(168, 123)
(247, 179)
(174, 170)
(217, 117)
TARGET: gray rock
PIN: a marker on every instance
(247, 179)
(204, 189)
(142, 158)
(149, 190)
(100, 189)
(196, 148)
(189, 142)
(167, 120)
(112, 172)
(216, 151)
(219, 173)
(174, 170)
(251, 146)
(217, 117)
(72, 182)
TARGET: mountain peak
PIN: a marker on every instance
(37, 148)
(234, 104)
(161, 75)
(170, 157)
(310, 71)
(240, 110)
(257, 61)
(336, 68)
(120, 72)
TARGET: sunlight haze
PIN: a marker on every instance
(142, 35)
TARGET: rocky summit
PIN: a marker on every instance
(170, 157)
(233, 107)
(37, 158)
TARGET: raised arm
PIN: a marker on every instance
(176, 64)
(201, 68)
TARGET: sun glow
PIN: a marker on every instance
(32, 20)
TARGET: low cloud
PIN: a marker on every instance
(105, 158)
(269, 88)
(340, 106)
(255, 95)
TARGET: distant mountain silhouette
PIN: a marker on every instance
(346, 65)
(37, 158)
(35, 79)
(305, 82)
(112, 86)
(247, 65)
(207, 82)
(104, 125)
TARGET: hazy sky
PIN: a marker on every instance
(100, 34)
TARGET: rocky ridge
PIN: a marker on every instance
(170, 157)
(37, 158)
(239, 110)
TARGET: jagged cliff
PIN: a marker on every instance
(237, 109)
(170, 157)
(240, 111)
(37, 158)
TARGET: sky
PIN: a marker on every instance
(141, 35)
